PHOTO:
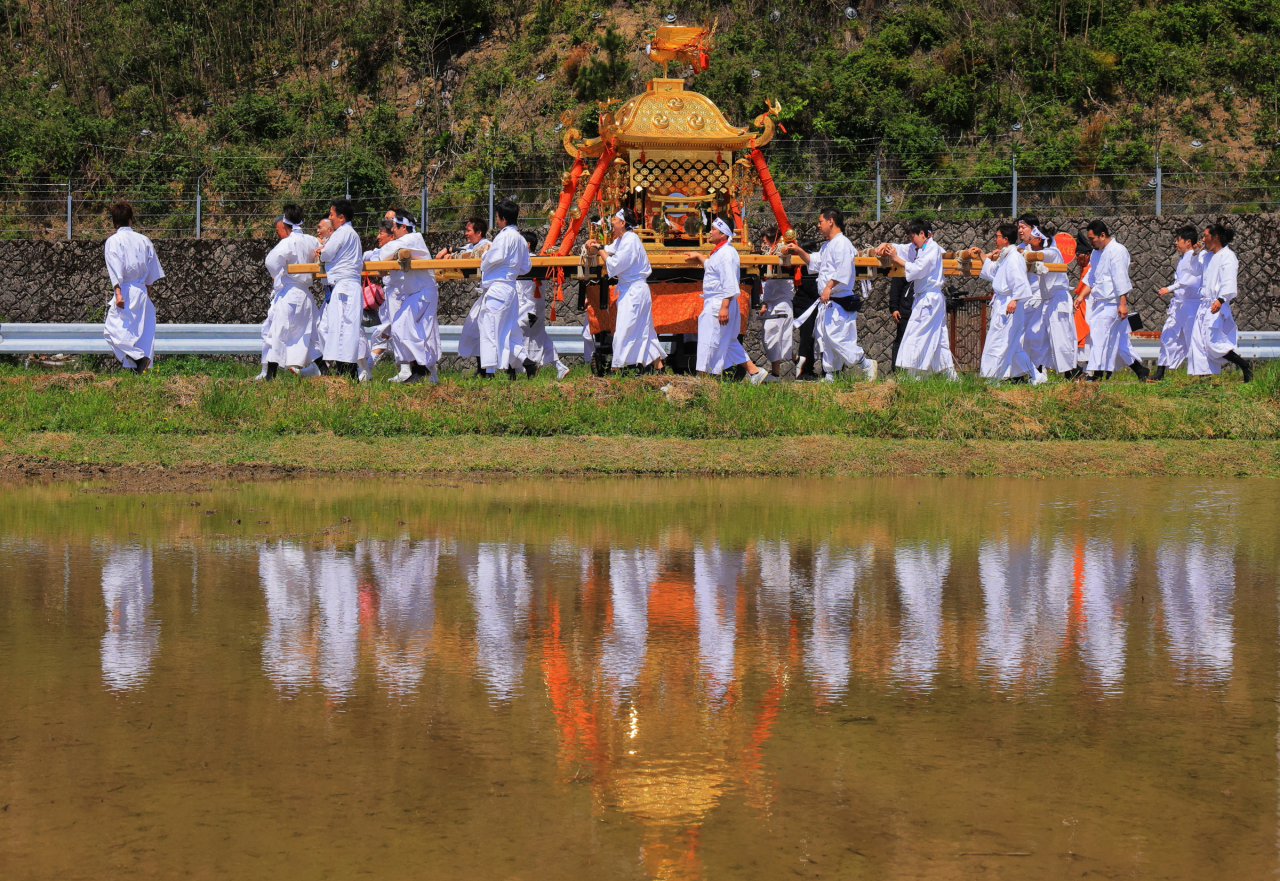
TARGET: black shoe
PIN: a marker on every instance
(511, 374)
(1158, 376)
(273, 367)
(417, 373)
(322, 366)
(1096, 376)
(807, 377)
(1246, 369)
(1140, 370)
(1073, 373)
(530, 368)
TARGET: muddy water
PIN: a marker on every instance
(632, 679)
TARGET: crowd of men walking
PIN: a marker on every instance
(1031, 330)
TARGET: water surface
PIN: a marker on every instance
(634, 679)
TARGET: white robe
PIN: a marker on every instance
(290, 329)
(412, 328)
(1050, 336)
(1215, 335)
(778, 295)
(501, 341)
(538, 346)
(1002, 354)
(469, 337)
(836, 331)
(343, 260)
(1184, 306)
(133, 266)
(635, 341)
(718, 346)
(1108, 280)
(926, 342)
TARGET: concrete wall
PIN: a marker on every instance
(223, 281)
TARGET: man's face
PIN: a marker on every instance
(826, 226)
(399, 231)
(323, 229)
(715, 237)
(472, 237)
(283, 229)
(335, 219)
(1094, 239)
(919, 238)
(1024, 232)
(390, 215)
(1001, 241)
(383, 236)
(1183, 245)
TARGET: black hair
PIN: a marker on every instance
(1187, 233)
(407, 216)
(1030, 220)
(388, 226)
(835, 215)
(508, 211)
(630, 218)
(344, 209)
(1009, 231)
(1098, 228)
(1049, 231)
(532, 238)
(292, 213)
(121, 214)
(1223, 234)
(477, 224)
(920, 225)
(770, 233)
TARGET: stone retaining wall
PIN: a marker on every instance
(224, 281)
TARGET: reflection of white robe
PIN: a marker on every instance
(1197, 583)
(338, 591)
(715, 593)
(1108, 570)
(1026, 589)
(635, 341)
(132, 638)
(921, 571)
(926, 342)
(500, 593)
(631, 574)
(406, 577)
(132, 264)
(289, 332)
(1215, 334)
(827, 648)
(285, 575)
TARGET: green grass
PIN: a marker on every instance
(190, 397)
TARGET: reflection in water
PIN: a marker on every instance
(715, 594)
(337, 591)
(921, 570)
(500, 591)
(631, 574)
(131, 640)
(835, 582)
(1026, 589)
(288, 650)
(1197, 584)
(405, 574)
(1105, 569)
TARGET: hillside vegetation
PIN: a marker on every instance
(257, 94)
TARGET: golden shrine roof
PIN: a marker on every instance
(665, 115)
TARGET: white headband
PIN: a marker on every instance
(719, 224)
(621, 215)
(1036, 234)
(404, 221)
(289, 223)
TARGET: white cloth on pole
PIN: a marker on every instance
(501, 340)
(635, 340)
(777, 295)
(538, 346)
(343, 260)
(290, 329)
(1215, 335)
(132, 264)
(1003, 356)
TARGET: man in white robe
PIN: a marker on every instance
(130, 326)
(836, 328)
(290, 329)
(539, 350)
(721, 319)
(1184, 301)
(926, 343)
(635, 340)
(1215, 336)
(1050, 335)
(411, 329)
(777, 310)
(501, 342)
(343, 259)
(1003, 356)
(474, 246)
(1107, 286)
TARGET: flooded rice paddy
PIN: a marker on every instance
(745, 679)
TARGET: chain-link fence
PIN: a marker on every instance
(959, 183)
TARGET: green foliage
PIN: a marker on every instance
(604, 75)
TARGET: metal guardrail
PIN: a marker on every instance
(1254, 345)
(201, 339)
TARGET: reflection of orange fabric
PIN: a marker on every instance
(676, 307)
(671, 604)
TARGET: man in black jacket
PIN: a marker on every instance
(806, 294)
(901, 295)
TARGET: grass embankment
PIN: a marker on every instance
(641, 425)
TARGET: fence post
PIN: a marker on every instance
(347, 186)
(1159, 188)
(1013, 168)
(422, 203)
(68, 209)
(877, 189)
(490, 197)
(199, 207)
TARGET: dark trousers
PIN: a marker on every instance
(803, 300)
(897, 338)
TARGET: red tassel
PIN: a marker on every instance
(537, 289)
(552, 313)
